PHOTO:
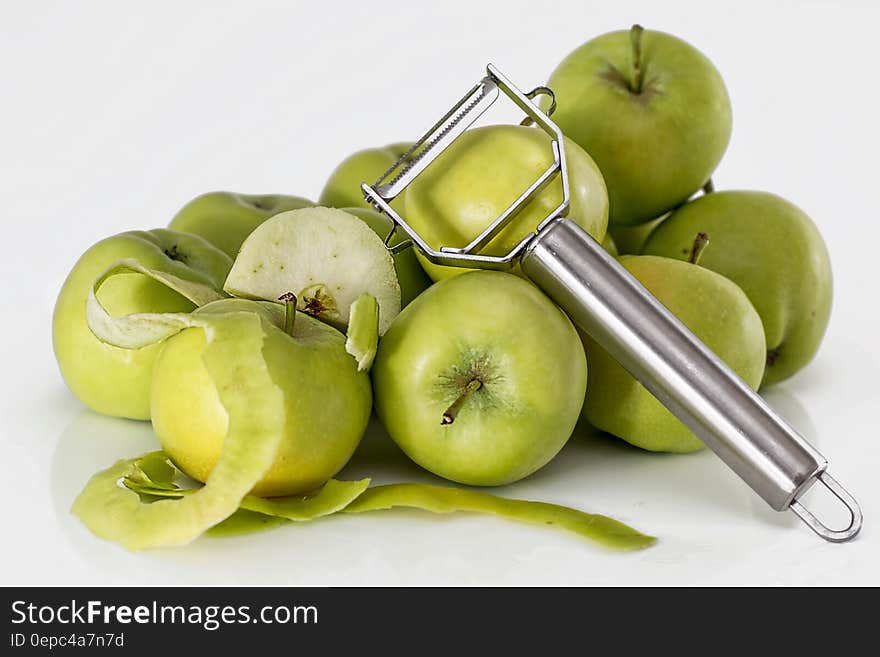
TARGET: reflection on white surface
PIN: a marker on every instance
(686, 500)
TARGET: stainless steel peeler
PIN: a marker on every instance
(619, 313)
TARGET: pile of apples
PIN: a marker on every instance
(258, 333)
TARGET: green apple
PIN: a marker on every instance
(105, 378)
(609, 245)
(412, 278)
(773, 251)
(651, 110)
(343, 189)
(629, 240)
(480, 379)
(711, 306)
(481, 174)
(327, 400)
(225, 219)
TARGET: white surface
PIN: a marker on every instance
(113, 117)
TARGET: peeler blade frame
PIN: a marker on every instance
(440, 136)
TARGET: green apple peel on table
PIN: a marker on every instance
(343, 189)
(325, 257)
(225, 219)
(481, 174)
(108, 379)
(480, 379)
(710, 305)
(257, 514)
(254, 402)
(410, 274)
(651, 110)
(773, 251)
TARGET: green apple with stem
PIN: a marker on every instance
(481, 379)
(711, 306)
(412, 278)
(327, 399)
(343, 188)
(225, 219)
(481, 174)
(773, 251)
(651, 110)
(105, 378)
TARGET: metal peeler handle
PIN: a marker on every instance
(619, 313)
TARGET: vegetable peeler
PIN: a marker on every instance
(620, 314)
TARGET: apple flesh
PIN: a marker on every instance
(343, 188)
(711, 306)
(481, 174)
(412, 278)
(481, 379)
(108, 379)
(225, 219)
(327, 401)
(773, 251)
(651, 110)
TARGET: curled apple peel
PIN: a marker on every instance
(256, 416)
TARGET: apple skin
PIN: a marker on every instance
(108, 379)
(343, 188)
(609, 245)
(481, 174)
(655, 147)
(774, 252)
(225, 219)
(711, 306)
(327, 401)
(412, 278)
(501, 330)
(630, 240)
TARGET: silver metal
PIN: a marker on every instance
(622, 316)
(441, 135)
(833, 535)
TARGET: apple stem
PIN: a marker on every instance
(701, 241)
(635, 37)
(709, 187)
(289, 299)
(451, 412)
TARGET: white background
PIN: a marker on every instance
(114, 114)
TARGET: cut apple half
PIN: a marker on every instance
(326, 257)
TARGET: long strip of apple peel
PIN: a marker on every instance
(445, 499)
(142, 329)
(362, 335)
(333, 496)
(255, 405)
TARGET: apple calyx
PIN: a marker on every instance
(450, 413)
(635, 36)
(289, 301)
(701, 241)
(316, 300)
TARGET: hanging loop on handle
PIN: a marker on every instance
(833, 535)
